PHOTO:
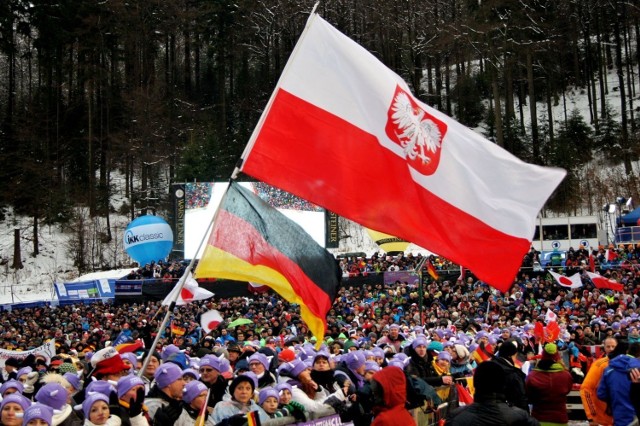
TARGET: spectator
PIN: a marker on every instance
(489, 406)
(241, 390)
(389, 390)
(194, 396)
(596, 409)
(164, 399)
(131, 395)
(514, 378)
(211, 377)
(615, 386)
(11, 408)
(548, 386)
(96, 411)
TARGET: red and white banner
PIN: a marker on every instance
(344, 131)
(605, 283)
(573, 282)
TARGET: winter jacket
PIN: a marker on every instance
(188, 417)
(490, 410)
(218, 390)
(112, 421)
(163, 410)
(514, 388)
(226, 409)
(547, 391)
(393, 382)
(595, 408)
(422, 368)
(615, 388)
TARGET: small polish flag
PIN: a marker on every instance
(210, 320)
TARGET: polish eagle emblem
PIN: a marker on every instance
(418, 133)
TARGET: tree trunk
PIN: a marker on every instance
(550, 109)
(532, 109)
(497, 112)
(626, 155)
(36, 241)
(17, 253)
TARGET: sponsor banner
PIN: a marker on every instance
(48, 350)
(178, 218)
(151, 233)
(331, 235)
(94, 289)
(409, 277)
(324, 421)
(128, 287)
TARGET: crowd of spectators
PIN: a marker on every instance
(283, 200)
(197, 195)
(169, 271)
(375, 331)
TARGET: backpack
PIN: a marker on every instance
(419, 392)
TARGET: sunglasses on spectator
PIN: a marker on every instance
(206, 370)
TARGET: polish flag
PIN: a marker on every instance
(605, 283)
(573, 282)
(210, 320)
(338, 117)
(190, 292)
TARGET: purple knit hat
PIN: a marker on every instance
(266, 393)
(53, 395)
(261, 358)
(210, 361)
(168, 351)
(73, 380)
(11, 384)
(92, 399)
(371, 366)
(192, 390)
(23, 371)
(126, 383)
(354, 360)
(16, 398)
(99, 386)
(38, 411)
(167, 374)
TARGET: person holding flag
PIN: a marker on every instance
(194, 405)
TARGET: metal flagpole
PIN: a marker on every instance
(421, 289)
(180, 284)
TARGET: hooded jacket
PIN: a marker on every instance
(394, 385)
(615, 388)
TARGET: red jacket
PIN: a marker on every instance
(393, 413)
(547, 392)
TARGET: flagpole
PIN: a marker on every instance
(420, 288)
(180, 285)
(263, 117)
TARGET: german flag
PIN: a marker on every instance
(177, 330)
(251, 241)
(253, 419)
(432, 270)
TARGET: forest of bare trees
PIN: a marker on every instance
(164, 91)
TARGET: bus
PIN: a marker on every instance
(562, 233)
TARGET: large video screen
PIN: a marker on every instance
(203, 198)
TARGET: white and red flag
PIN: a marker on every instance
(344, 131)
(573, 282)
(210, 320)
(190, 292)
(605, 283)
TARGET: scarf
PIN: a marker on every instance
(439, 371)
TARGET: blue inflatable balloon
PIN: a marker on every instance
(148, 239)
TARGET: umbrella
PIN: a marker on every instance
(239, 321)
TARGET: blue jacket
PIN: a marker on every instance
(615, 389)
